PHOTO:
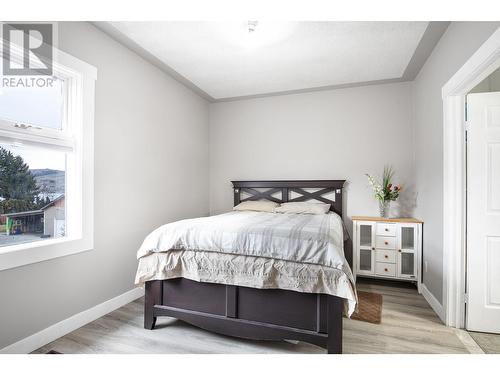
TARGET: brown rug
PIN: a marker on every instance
(369, 307)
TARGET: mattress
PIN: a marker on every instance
(296, 252)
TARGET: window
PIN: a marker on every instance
(32, 193)
(46, 163)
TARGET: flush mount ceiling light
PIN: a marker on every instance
(252, 25)
(254, 34)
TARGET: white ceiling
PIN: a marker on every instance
(225, 61)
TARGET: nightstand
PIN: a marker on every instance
(387, 248)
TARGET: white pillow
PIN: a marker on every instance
(262, 206)
(303, 208)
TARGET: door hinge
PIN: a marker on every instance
(466, 298)
(467, 125)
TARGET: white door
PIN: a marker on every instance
(483, 212)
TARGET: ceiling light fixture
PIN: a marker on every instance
(251, 26)
(252, 34)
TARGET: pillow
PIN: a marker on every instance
(262, 206)
(303, 208)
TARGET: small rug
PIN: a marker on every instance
(369, 307)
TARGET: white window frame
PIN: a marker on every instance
(77, 135)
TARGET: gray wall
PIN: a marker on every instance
(151, 152)
(336, 134)
(458, 43)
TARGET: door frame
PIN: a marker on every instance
(480, 65)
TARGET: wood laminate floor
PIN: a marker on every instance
(409, 325)
(489, 342)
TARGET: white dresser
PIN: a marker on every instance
(387, 248)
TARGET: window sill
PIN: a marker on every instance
(28, 253)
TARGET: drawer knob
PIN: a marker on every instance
(387, 229)
(386, 256)
(387, 243)
(373, 248)
(399, 250)
(385, 269)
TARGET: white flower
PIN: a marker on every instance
(377, 188)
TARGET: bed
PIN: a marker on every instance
(255, 275)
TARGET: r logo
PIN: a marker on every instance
(36, 42)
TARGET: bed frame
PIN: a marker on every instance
(250, 313)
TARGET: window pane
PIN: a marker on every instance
(32, 194)
(407, 238)
(365, 260)
(365, 237)
(39, 105)
(407, 264)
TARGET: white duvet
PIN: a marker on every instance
(256, 249)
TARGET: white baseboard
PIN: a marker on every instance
(43, 337)
(436, 306)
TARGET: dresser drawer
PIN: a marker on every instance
(387, 256)
(383, 242)
(385, 269)
(386, 229)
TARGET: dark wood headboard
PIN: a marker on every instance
(288, 186)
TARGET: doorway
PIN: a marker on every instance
(482, 309)
(457, 223)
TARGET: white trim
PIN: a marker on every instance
(433, 302)
(39, 251)
(47, 335)
(15, 138)
(34, 134)
(454, 209)
(479, 66)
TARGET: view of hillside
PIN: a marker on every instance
(50, 181)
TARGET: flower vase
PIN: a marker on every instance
(383, 207)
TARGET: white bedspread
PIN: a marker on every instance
(256, 249)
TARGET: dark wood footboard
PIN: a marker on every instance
(259, 314)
